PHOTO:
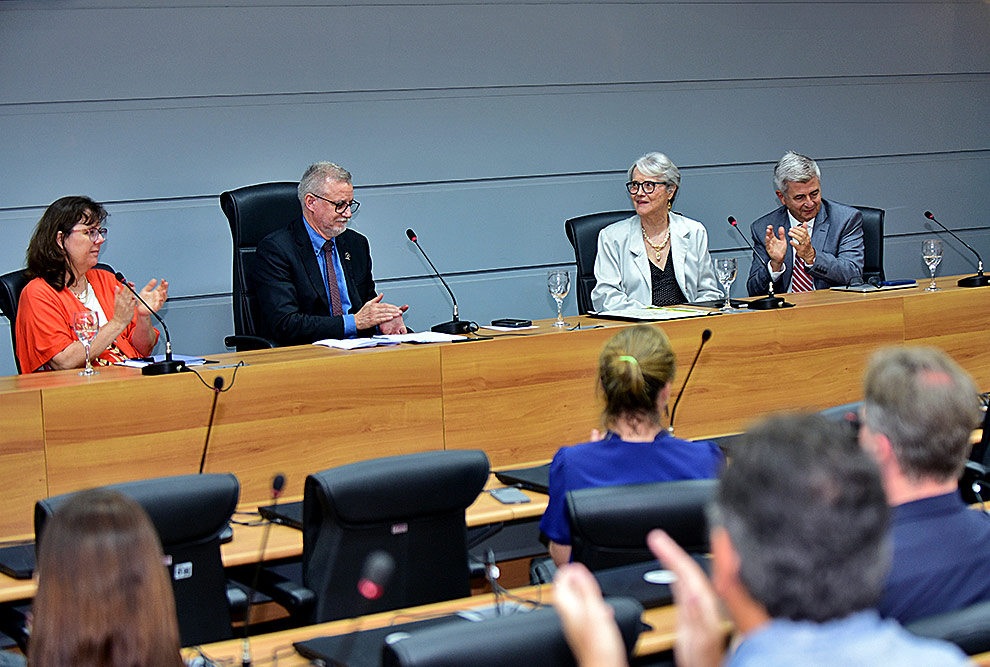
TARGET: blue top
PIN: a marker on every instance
(941, 550)
(350, 328)
(860, 639)
(614, 461)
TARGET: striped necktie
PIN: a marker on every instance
(800, 280)
(335, 307)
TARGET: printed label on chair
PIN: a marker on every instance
(182, 571)
(400, 528)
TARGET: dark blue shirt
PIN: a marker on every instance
(614, 461)
(941, 551)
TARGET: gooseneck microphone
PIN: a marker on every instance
(376, 572)
(979, 280)
(217, 388)
(455, 326)
(278, 483)
(159, 367)
(705, 337)
(770, 301)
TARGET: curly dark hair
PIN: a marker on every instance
(45, 257)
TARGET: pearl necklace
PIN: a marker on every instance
(663, 244)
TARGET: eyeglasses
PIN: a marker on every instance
(646, 186)
(340, 206)
(94, 233)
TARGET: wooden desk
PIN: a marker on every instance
(302, 409)
(286, 542)
(265, 647)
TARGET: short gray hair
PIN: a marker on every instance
(927, 407)
(318, 172)
(794, 168)
(658, 167)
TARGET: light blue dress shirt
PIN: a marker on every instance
(350, 327)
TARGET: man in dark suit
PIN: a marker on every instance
(808, 243)
(313, 278)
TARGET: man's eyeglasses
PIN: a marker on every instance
(94, 233)
(646, 186)
(340, 206)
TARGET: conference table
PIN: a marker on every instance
(517, 396)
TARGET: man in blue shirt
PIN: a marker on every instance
(919, 411)
(799, 556)
(313, 278)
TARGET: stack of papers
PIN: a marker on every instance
(653, 314)
(390, 339)
(138, 363)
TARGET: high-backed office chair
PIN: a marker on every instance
(609, 524)
(11, 286)
(533, 638)
(189, 512)
(253, 212)
(872, 242)
(582, 232)
(411, 507)
(967, 628)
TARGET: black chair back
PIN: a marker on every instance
(872, 243)
(967, 628)
(11, 286)
(533, 638)
(411, 507)
(582, 232)
(609, 524)
(189, 512)
(253, 212)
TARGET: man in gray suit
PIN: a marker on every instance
(808, 243)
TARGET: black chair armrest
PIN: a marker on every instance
(298, 600)
(245, 342)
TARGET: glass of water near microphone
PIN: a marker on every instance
(931, 251)
(725, 271)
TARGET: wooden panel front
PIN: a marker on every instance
(22, 469)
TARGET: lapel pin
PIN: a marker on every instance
(347, 256)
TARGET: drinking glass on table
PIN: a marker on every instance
(725, 271)
(86, 324)
(559, 284)
(931, 250)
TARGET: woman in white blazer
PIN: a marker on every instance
(656, 257)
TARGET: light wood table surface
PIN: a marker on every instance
(519, 398)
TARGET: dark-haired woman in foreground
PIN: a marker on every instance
(635, 370)
(104, 598)
(61, 257)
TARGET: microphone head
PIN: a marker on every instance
(120, 277)
(278, 483)
(411, 234)
(376, 573)
(928, 214)
(218, 382)
(732, 221)
(705, 335)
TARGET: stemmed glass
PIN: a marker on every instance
(86, 324)
(725, 271)
(559, 284)
(931, 250)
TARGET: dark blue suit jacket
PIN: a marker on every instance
(837, 238)
(290, 286)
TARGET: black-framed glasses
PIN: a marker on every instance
(648, 187)
(94, 233)
(340, 206)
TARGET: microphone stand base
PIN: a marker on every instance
(979, 280)
(455, 327)
(769, 303)
(166, 367)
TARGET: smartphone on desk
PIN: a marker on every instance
(509, 496)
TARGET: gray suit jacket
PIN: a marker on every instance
(837, 238)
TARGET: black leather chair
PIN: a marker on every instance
(582, 232)
(411, 507)
(253, 212)
(533, 638)
(872, 243)
(189, 512)
(11, 285)
(609, 524)
(967, 628)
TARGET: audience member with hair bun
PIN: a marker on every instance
(104, 597)
(635, 370)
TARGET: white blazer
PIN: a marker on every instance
(622, 269)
